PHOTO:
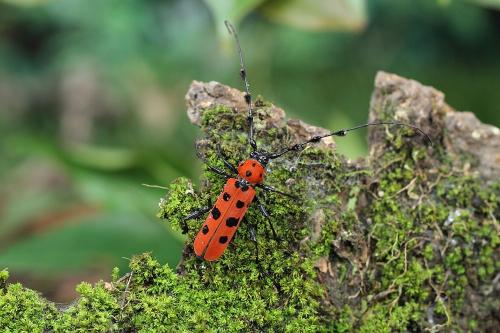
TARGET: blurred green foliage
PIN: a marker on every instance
(91, 101)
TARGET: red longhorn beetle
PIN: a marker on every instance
(239, 192)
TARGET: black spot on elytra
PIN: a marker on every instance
(260, 176)
(237, 184)
(204, 230)
(215, 213)
(248, 173)
(244, 188)
(223, 239)
(232, 222)
(226, 196)
(240, 204)
(253, 164)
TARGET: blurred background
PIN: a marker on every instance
(92, 104)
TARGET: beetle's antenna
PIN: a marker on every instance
(243, 75)
(343, 132)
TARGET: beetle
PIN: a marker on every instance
(240, 190)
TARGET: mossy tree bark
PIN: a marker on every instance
(403, 240)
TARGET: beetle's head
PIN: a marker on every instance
(261, 156)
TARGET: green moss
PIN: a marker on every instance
(412, 268)
(181, 200)
(216, 118)
(344, 321)
(386, 320)
(95, 311)
(115, 274)
(4, 276)
(23, 310)
(153, 298)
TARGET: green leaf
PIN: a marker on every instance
(318, 14)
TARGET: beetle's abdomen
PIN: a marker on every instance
(223, 220)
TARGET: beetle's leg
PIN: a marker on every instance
(268, 218)
(272, 189)
(222, 155)
(197, 213)
(210, 167)
(253, 238)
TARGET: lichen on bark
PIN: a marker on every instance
(403, 240)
